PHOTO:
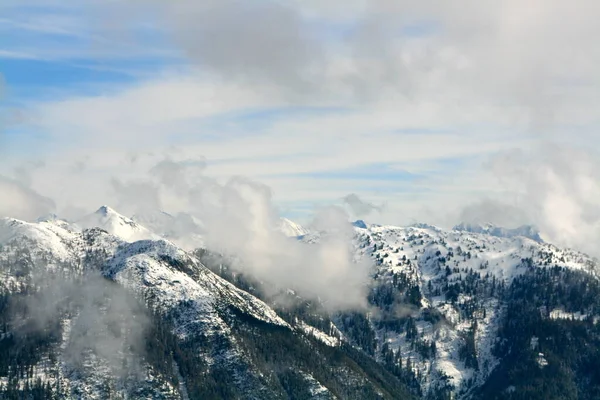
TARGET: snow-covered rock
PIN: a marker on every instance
(291, 229)
(116, 224)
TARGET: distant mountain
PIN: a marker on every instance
(182, 229)
(291, 229)
(360, 224)
(423, 225)
(48, 218)
(189, 232)
(490, 229)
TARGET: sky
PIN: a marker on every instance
(399, 111)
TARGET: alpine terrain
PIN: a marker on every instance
(110, 307)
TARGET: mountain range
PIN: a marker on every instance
(115, 307)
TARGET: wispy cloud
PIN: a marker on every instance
(18, 55)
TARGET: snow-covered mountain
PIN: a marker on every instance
(202, 337)
(432, 269)
(291, 229)
(469, 313)
(435, 290)
(527, 231)
(116, 224)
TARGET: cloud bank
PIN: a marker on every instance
(286, 93)
(19, 201)
(359, 207)
(521, 59)
(557, 188)
(238, 218)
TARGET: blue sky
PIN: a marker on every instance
(411, 106)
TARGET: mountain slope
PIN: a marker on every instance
(291, 229)
(548, 344)
(440, 300)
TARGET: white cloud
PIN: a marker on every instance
(557, 188)
(150, 111)
(21, 202)
(524, 55)
(18, 55)
(240, 219)
(145, 118)
(479, 78)
(359, 207)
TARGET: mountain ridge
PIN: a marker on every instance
(192, 309)
(437, 324)
(527, 231)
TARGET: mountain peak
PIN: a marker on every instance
(111, 221)
(359, 223)
(105, 211)
(291, 228)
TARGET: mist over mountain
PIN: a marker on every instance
(101, 311)
(490, 229)
(360, 199)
